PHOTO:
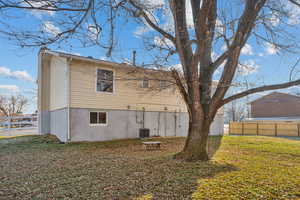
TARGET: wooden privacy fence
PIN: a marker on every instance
(265, 128)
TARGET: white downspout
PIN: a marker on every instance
(68, 99)
(39, 82)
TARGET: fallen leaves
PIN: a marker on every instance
(243, 168)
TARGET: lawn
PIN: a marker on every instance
(38, 167)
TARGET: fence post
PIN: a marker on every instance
(298, 125)
(9, 125)
(256, 128)
(229, 128)
(243, 128)
(275, 129)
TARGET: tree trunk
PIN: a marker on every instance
(196, 143)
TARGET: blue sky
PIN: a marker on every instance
(14, 59)
(18, 66)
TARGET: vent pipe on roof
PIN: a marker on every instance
(133, 57)
(44, 47)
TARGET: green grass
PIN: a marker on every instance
(38, 167)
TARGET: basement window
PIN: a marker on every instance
(98, 118)
(105, 80)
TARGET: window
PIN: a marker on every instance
(93, 118)
(102, 118)
(98, 118)
(105, 82)
(145, 83)
(163, 84)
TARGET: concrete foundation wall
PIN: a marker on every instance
(44, 122)
(59, 124)
(126, 124)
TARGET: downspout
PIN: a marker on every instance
(39, 82)
(175, 122)
(143, 117)
(68, 99)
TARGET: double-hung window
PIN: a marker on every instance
(105, 80)
(99, 118)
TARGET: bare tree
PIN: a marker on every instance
(12, 105)
(214, 23)
(235, 112)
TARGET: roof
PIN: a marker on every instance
(272, 93)
(94, 60)
(295, 118)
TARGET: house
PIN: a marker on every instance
(86, 99)
(276, 106)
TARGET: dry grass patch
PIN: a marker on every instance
(41, 168)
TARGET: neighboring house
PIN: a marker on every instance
(86, 99)
(276, 106)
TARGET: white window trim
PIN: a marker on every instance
(98, 124)
(142, 83)
(114, 82)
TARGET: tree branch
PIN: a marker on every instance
(293, 68)
(245, 26)
(5, 5)
(72, 30)
(181, 88)
(295, 2)
(152, 24)
(183, 45)
(260, 89)
(219, 61)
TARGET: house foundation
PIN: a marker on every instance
(123, 124)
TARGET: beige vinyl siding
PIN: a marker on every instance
(44, 84)
(127, 94)
(58, 83)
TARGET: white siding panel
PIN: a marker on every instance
(58, 83)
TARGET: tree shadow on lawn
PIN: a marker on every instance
(118, 178)
(162, 177)
(213, 144)
(97, 171)
(172, 179)
(175, 179)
